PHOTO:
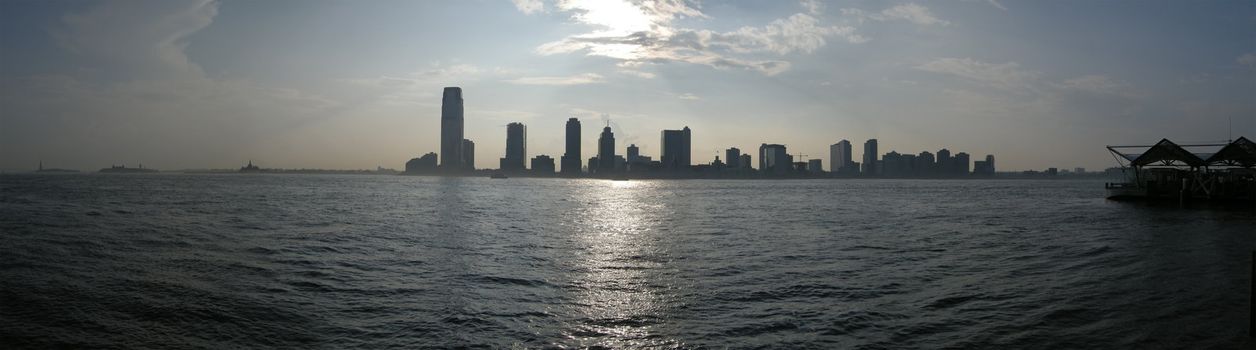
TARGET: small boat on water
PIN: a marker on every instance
(498, 176)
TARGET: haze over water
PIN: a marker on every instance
(246, 261)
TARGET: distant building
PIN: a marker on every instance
(924, 165)
(774, 160)
(468, 154)
(676, 149)
(1080, 171)
(634, 152)
(984, 167)
(420, 165)
(960, 164)
(571, 158)
(840, 157)
(621, 164)
(744, 162)
(907, 164)
(516, 147)
(943, 165)
(892, 165)
(870, 158)
(606, 151)
(733, 158)
(543, 165)
(814, 166)
(451, 129)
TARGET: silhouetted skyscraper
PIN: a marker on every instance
(943, 167)
(745, 161)
(571, 158)
(516, 147)
(815, 166)
(870, 158)
(840, 157)
(634, 153)
(468, 154)
(774, 160)
(676, 149)
(606, 151)
(733, 157)
(451, 129)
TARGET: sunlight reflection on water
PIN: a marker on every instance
(622, 298)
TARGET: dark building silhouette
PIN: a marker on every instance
(634, 153)
(676, 149)
(745, 161)
(943, 166)
(774, 160)
(543, 165)
(733, 157)
(451, 129)
(815, 166)
(516, 147)
(984, 167)
(892, 165)
(870, 158)
(924, 165)
(959, 164)
(420, 165)
(606, 151)
(840, 159)
(571, 157)
(468, 154)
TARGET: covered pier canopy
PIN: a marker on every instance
(1241, 153)
(1238, 153)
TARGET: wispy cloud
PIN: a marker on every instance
(1247, 59)
(814, 7)
(123, 36)
(637, 73)
(529, 6)
(579, 79)
(688, 96)
(913, 13)
(1002, 75)
(1098, 85)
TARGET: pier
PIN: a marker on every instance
(1220, 172)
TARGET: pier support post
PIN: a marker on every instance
(1251, 314)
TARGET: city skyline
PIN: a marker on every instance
(211, 84)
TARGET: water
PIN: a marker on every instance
(301, 261)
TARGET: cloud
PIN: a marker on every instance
(579, 79)
(814, 7)
(123, 37)
(637, 73)
(1248, 60)
(529, 6)
(911, 12)
(643, 32)
(1098, 85)
(1002, 75)
(688, 97)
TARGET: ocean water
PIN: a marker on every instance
(325, 261)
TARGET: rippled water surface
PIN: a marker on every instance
(320, 261)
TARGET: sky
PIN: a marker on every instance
(357, 84)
